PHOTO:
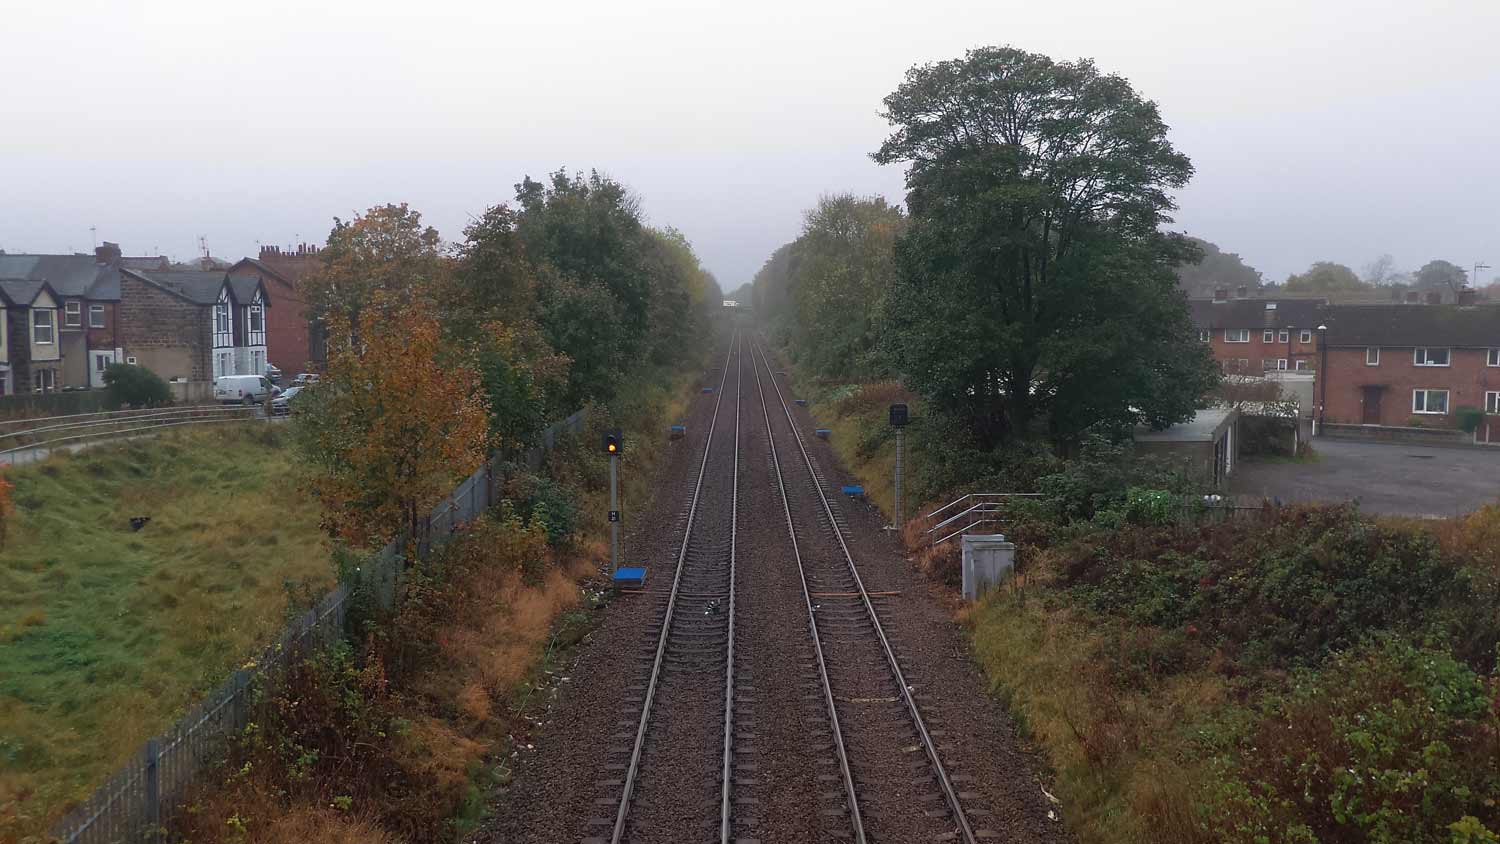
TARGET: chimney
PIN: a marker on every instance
(1413, 297)
(1435, 297)
(1221, 294)
(1242, 292)
(1468, 296)
(108, 254)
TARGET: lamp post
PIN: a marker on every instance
(1322, 376)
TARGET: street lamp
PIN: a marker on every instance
(1322, 376)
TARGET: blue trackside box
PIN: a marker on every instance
(632, 577)
(822, 433)
(854, 490)
(708, 389)
(678, 432)
(800, 402)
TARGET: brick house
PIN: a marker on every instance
(302, 338)
(30, 347)
(287, 336)
(87, 292)
(1251, 336)
(1400, 364)
(194, 326)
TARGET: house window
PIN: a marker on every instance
(73, 314)
(1305, 336)
(256, 319)
(96, 316)
(1492, 403)
(1301, 365)
(1494, 357)
(44, 381)
(1285, 337)
(1372, 356)
(221, 318)
(41, 327)
(1430, 357)
(1268, 336)
(1242, 364)
(1236, 335)
(1204, 335)
(1429, 401)
(257, 363)
(1269, 364)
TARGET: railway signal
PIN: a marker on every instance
(614, 443)
(899, 418)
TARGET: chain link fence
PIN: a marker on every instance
(132, 806)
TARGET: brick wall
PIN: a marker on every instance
(1257, 350)
(166, 334)
(1390, 385)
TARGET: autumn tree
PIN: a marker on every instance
(397, 420)
(1325, 277)
(385, 250)
(1441, 275)
(1035, 290)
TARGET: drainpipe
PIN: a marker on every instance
(1322, 376)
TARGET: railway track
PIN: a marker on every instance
(680, 756)
(891, 784)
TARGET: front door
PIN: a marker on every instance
(1372, 405)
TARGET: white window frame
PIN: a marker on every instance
(96, 310)
(1242, 333)
(1301, 365)
(102, 360)
(1493, 359)
(221, 317)
(1205, 335)
(1492, 403)
(72, 314)
(1305, 336)
(43, 381)
(1285, 336)
(1268, 336)
(1421, 356)
(1427, 400)
(1372, 356)
(51, 326)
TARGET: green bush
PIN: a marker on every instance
(1390, 743)
(542, 502)
(1469, 418)
(135, 386)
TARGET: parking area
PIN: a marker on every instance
(1384, 477)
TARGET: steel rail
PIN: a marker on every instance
(734, 523)
(949, 792)
(812, 623)
(631, 771)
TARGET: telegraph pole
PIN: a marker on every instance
(898, 421)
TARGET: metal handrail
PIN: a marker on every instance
(966, 527)
(981, 507)
(967, 496)
(161, 413)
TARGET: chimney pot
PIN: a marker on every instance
(108, 254)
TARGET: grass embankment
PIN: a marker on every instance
(1312, 675)
(404, 734)
(107, 634)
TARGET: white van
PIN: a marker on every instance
(243, 389)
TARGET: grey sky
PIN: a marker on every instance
(1320, 129)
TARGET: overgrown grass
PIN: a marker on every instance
(107, 634)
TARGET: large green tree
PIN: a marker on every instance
(1441, 275)
(1215, 270)
(1034, 282)
(1325, 277)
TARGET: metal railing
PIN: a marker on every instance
(978, 508)
(34, 438)
(134, 804)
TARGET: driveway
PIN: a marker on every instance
(1384, 477)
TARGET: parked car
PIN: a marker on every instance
(243, 389)
(273, 373)
(282, 404)
(305, 378)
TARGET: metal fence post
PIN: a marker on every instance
(153, 788)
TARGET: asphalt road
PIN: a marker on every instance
(1383, 477)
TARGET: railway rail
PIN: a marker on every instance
(873, 714)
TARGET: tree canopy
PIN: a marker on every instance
(1438, 274)
(1033, 282)
(1325, 277)
(1215, 270)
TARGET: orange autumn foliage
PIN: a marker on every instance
(399, 419)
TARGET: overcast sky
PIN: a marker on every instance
(1319, 129)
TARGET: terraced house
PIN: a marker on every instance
(60, 319)
(194, 326)
(1412, 366)
(1251, 336)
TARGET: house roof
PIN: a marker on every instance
(260, 267)
(1413, 325)
(244, 289)
(1256, 314)
(197, 286)
(72, 276)
(1204, 427)
(23, 291)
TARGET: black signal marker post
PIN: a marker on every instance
(898, 421)
(614, 443)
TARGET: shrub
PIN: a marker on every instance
(543, 503)
(1391, 743)
(1468, 418)
(135, 386)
